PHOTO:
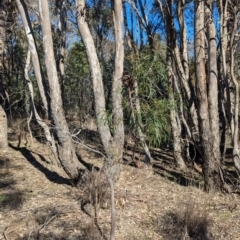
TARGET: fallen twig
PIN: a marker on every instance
(4, 234)
(46, 223)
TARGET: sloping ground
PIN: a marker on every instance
(37, 201)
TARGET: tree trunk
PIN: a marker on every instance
(224, 97)
(37, 71)
(235, 138)
(137, 122)
(3, 116)
(175, 122)
(3, 19)
(22, 8)
(113, 144)
(39, 120)
(62, 27)
(3, 129)
(183, 66)
(66, 150)
(118, 135)
(210, 162)
(212, 81)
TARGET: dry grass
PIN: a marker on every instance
(37, 201)
(188, 223)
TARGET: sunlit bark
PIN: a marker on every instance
(66, 150)
(113, 144)
(235, 139)
(175, 121)
(212, 81)
(211, 166)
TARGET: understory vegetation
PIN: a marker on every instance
(119, 119)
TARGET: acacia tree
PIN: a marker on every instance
(112, 141)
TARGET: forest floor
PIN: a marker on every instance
(38, 201)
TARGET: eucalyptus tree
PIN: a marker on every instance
(61, 10)
(112, 140)
(178, 75)
(234, 10)
(229, 102)
(66, 150)
(174, 116)
(3, 24)
(3, 117)
(3, 129)
(207, 110)
(61, 145)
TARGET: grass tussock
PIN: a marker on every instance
(12, 201)
(188, 223)
(95, 191)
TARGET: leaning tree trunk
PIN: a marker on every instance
(66, 150)
(113, 144)
(22, 8)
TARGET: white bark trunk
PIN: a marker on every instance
(66, 150)
(212, 81)
(175, 123)
(113, 145)
(118, 72)
(236, 152)
(22, 8)
(3, 129)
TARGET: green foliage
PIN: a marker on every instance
(77, 84)
(150, 74)
(156, 119)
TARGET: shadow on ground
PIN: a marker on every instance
(10, 197)
(51, 175)
(12, 200)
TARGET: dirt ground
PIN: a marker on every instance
(37, 201)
